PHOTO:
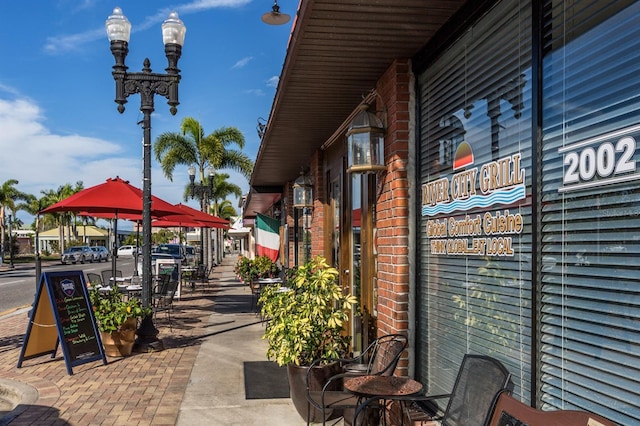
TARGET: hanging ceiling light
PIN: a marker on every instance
(275, 17)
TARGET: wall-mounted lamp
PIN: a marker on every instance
(275, 17)
(365, 143)
(303, 192)
(261, 127)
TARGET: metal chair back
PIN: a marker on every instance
(480, 381)
(95, 280)
(386, 353)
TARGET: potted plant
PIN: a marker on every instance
(264, 267)
(117, 319)
(244, 269)
(249, 270)
(305, 322)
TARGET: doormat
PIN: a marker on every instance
(265, 380)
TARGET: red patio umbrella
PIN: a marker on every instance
(113, 198)
(207, 220)
(201, 216)
(183, 221)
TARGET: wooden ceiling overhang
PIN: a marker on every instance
(337, 51)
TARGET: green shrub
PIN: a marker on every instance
(306, 315)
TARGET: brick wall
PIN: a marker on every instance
(319, 201)
(392, 208)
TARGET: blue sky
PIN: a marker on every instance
(58, 121)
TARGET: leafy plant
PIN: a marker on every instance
(244, 268)
(306, 315)
(265, 267)
(251, 269)
(112, 311)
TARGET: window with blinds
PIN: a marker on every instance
(590, 278)
(474, 293)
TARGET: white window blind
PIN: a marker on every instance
(477, 92)
(590, 278)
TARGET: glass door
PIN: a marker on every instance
(362, 258)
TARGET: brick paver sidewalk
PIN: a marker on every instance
(143, 389)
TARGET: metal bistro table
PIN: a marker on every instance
(129, 286)
(188, 276)
(370, 389)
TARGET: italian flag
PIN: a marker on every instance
(267, 237)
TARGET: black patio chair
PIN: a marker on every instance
(197, 276)
(95, 280)
(332, 401)
(163, 295)
(480, 381)
(106, 276)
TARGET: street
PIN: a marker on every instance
(18, 286)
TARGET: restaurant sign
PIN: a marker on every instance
(499, 182)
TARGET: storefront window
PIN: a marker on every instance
(475, 187)
(590, 279)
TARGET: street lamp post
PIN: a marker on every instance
(147, 84)
(203, 192)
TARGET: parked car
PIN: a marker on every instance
(77, 254)
(126, 250)
(100, 253)
(175, 250)
(190, 255)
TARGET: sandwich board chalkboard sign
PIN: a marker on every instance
(62, 316)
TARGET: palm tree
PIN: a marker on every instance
(226, 210)
(63, 218)
(221, 190)
(192, 147)
(33, 205)
(9, 194)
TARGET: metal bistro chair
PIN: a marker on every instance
(95, 280)
(163, 295)
(379, 358)
(196, 276)
(106, 276)
(480, 381)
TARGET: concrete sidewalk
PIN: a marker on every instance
(197, 379)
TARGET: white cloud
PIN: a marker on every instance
(75, 42)
(256, 92)
(273, 81)
(41, 160)
(242, 63)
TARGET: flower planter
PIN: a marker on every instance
(119, 343)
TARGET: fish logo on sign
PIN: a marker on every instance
(68, 287)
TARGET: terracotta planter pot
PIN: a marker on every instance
(297, 376)
(120, 343)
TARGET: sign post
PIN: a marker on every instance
(62, 316)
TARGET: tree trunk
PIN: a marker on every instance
(2, 236)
